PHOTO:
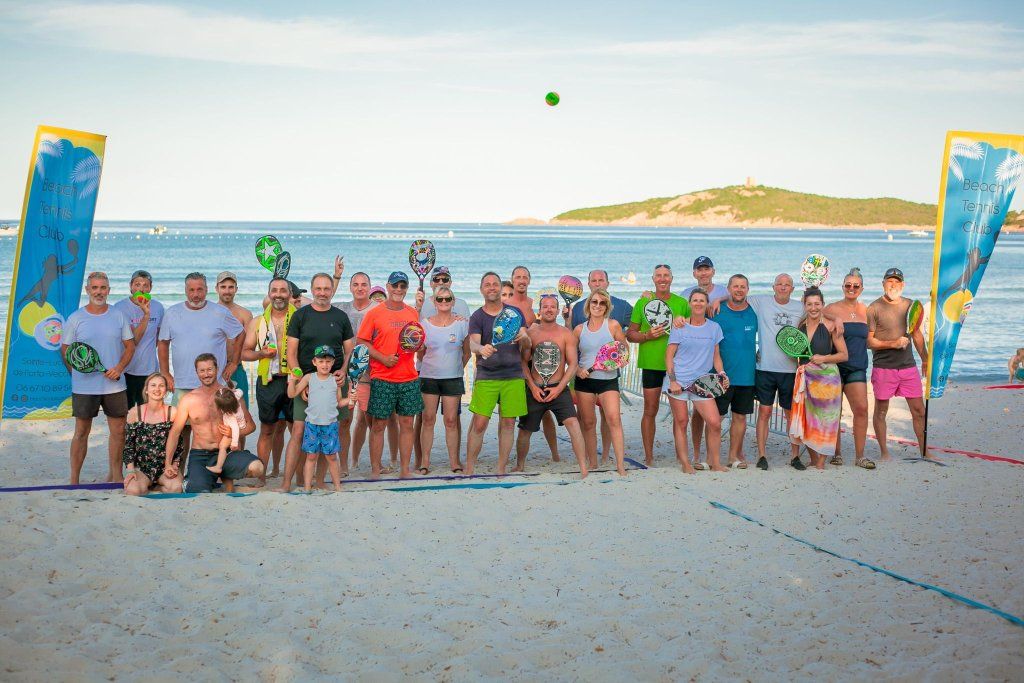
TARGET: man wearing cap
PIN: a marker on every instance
(893, 368)
(193, 327)
(441, 277)
(266, 342)
(703, 273)
(227, 287)
(318, 324)
(144, 315)
(394, 382)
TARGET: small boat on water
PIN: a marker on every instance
(629, 279)
(158, 230)
(918, 233)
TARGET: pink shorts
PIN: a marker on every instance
(363, 395)
(889, 382)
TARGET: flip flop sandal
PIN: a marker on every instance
(457, 470)
(702, 466)
(836, 460)
(738, 465)
(865, 463)
(423, 471)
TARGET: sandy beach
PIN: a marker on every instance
(604, 579)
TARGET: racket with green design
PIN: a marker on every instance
(84, 358)
(793, 342)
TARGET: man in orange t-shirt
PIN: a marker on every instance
(394, 382)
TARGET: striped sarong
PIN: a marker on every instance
(817, 402)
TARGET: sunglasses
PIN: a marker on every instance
(598, 302)
(663, 265)
(851, 285)
(442, 280)
(401, 285)
(444, 299)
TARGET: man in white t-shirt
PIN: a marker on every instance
(106, 330)
(442, 277)
(704, 273)
(775, 372)
(145, 316)
(193, 327)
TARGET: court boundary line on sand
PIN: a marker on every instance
(1015, 620)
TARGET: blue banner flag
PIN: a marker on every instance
(49, 269)
(980, 172)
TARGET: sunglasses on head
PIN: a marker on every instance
(444, 299)
(663, 265)
(442, 279)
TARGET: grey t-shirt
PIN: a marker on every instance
(459, 307)
(355, 315)
(106, 332)
(889, 323)
(772, 317)
(192, 332)
(145, 361)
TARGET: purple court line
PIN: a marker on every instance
(99, 486)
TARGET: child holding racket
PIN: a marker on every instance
(323, 398)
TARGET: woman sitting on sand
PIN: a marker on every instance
(599, 387)
(818, 389)
(852, 317)
(145, 442)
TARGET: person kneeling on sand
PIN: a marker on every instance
(145, 442)
(198, 408)
(1017, 367)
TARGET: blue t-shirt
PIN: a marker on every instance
(622, 311)
(696, 353)
(739, 345)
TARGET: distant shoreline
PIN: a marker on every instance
(732, 225)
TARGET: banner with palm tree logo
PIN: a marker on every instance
(980, 172)
(49, 268)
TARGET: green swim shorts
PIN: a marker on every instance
(510, 393)
(403, 398)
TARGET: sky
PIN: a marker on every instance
(434, 111)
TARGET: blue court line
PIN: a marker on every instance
(899, 577)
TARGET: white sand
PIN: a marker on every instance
(600, 580)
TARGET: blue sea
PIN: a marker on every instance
(994, 329)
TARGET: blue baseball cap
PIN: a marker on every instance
(396, 277)
(702, 262)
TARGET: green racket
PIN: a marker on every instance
(793, 342)
(84, 358)
(915, 314)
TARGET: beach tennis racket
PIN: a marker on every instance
(84, 358)
(814, 271)
(547, 359)
(283, 264)
(507, 325)
(570, 288)
(915, 314)
(421, 258)
(358, 362)
(377, 294)
(611, 356)
(411, 338)
(793, 342)
(267, 249)
(547, 291)
(711, 385)
(658, 313)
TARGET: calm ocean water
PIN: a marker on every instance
(995, 327)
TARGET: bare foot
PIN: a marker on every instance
(885, 458)
(719, 468)
(688, 468)
(649, 461)
(405, 474)
(260, 483)
(517, 468)
(337, 488)
(275, 473)
(622, 472)
(214, 469)
(583, 473)
(555, 457)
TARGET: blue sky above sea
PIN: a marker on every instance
(419, 111)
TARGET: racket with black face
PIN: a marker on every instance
(84, 358)
(547, 359)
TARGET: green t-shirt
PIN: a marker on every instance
(651, 355)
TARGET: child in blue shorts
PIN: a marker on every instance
(323, 398)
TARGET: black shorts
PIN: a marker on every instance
(88, 405)
(136, 383)
(768, 383)
(562, 407)
(596, 386)
(851, 376)
(741, 399)
(201, 480)
(272, 400)
(453, 386)
(652, 379)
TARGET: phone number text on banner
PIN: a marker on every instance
(49, 268)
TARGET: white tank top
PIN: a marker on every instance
(590, 342)
(322, 408)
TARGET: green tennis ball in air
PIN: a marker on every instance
(552, 99)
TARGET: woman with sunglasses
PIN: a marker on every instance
(442, 363)
(600, 387)
(852, 316)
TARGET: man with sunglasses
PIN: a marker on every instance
(441, 277)
(394, 382)
(653, 343)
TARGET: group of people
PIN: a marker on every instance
(176, 397)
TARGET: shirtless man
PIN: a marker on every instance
(520, 284)
(266, 343)
(554, 398)
(227, 287)
(208, 428)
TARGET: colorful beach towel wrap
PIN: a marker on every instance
(817, 401)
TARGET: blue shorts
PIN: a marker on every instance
(320, 438)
